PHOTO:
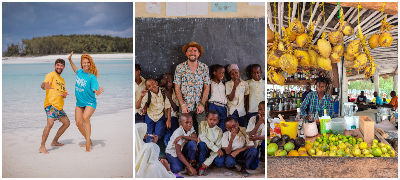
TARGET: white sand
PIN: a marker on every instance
(111, 156)
(52, 58)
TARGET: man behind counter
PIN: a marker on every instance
(318, 100)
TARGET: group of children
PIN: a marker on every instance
(222, 137)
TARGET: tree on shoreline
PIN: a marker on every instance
(61, 44)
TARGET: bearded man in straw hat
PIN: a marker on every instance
(192, 82)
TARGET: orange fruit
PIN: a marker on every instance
(308, 146)
(293, 153)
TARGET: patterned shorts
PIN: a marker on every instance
(53, 112)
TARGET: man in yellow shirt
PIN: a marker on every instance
(54, 85)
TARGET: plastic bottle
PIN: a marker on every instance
(325, 123)
(280, 105)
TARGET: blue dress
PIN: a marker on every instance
(84, 93)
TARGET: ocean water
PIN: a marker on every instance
(23, 98)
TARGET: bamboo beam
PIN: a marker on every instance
(326, 23)
(347, 14)
(270, 23)
(356, 18)
(302, 11)
(391, 8)
(294, 11)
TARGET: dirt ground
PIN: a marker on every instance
(216, 172)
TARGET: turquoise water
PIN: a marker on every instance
(23, 98)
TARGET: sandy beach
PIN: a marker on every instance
(52, 58)
(111, 156)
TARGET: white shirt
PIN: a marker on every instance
(213, 139)
(178, 132)
(238, 101)
(256, 94)
(138, 89)
(218, 93)
(241, 139)
(260, 130)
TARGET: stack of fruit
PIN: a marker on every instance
(333, 145)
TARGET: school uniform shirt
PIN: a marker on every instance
(256, 94)
(260, 130)
(156, 109)
(213, 139)
(238, 101)
(176, 101)
(218, 93)
(53, 95)
(138, 89)
(178, 132)
(241, 139)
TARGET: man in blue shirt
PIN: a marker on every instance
(308, 90)
(378, 99)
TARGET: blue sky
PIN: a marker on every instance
(27, 20)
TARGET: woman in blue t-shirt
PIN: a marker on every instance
(86, 87)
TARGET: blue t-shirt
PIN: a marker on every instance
(378, 100)
(85, 83)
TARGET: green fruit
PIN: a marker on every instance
(335, 143)
(268, 141)
(332, 154)
(346, 154)
(271, 149)
(325, 147)
(374, 145)
(356, 152)
(280, 153)
(388, 147)
(342, 146)
(381, 145)
(391, 153)
(333, 148)
(311, 151)
(360, 139)
(319, 153)
(376, 152)
(289, 147)
(356, 146)
(340, 152)
(375, 141)
(384, 150)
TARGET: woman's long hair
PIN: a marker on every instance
(92, 68)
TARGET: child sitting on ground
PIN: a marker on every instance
(139, 86)
(154, 118)
(237, 146)
(237, 92)
(256, 131)
(256, 90)
(218, 99)
(167, 82)
(211, 139)
(182, 146)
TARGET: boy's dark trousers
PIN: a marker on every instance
(188, 151)
(204, 152)
(170, 131)
(155, 128)
(248, 155)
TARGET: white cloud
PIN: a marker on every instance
(96, 20)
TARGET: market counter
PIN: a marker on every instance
(332, 167)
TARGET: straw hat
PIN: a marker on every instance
(386, 76)
(193, 44)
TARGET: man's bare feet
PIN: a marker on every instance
(56, 144)
(84, 145)
(43, 150)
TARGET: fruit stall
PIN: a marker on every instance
(345, 41)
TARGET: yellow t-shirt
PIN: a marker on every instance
(52, 95)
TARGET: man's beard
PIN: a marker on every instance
(194, 60)
(57, 72)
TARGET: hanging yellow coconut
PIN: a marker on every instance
(324, 48)
(354, 48)
(297, 27)
(385, 39)
(335, 37)
(346, 28)
(273, 58)
(335, 58)
(302, 40)
(369, 70)
(360, 62)
(303, 57)
(270, 36)
(373, 41)
(281, 46)
(324, 63)
(276, 78)
(292, 35)
(338, 49)
(313, 58)
(288, 63)
(348, 57)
